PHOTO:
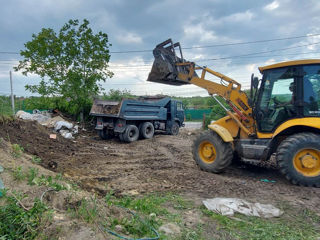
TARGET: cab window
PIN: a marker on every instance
(311, 90)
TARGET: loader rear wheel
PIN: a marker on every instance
(298, 157)
(147, 130)
(131, 133)
(211, 153)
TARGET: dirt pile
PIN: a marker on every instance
(163, 163)
(35, 140)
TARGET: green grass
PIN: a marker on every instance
(17, 150)
(17, 223)
(18, 174)
(87, 210)
(36, 160)
(250, 228)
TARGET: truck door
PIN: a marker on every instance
(180, 112)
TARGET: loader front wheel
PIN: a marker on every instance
(211, 153)
(131, 133)
(298, 157)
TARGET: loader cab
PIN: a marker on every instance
(288, 90)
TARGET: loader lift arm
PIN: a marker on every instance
(170, 69)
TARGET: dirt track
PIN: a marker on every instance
(162, 164)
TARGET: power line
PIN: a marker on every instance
(249, 55)
(227, 44)
(208, 46)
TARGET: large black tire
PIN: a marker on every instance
(147, 130)
(105, 134)
(174, 130)
(298, 157)
(131, 133)
(121, 137)
(211, 153)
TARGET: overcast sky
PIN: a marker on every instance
(142, 24)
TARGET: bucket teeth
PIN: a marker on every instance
(164, 69)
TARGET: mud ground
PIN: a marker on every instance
(163, 163)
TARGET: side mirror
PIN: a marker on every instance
(254, 85)
(255, 82)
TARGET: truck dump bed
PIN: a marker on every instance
(131, 109)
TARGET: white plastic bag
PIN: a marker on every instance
(58, 125)
(228, 206)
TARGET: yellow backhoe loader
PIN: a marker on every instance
(280, 116)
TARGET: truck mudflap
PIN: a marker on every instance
(164, 69)
(99, 123)
(120, 126)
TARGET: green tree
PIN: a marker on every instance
(71, 63)
(117, 95)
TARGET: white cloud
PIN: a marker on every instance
(271, 6)
(198, 32)
(239, 17)
(270, 61)
(129, 38)
(251, 67)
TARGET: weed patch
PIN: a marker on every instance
(17, 150)
(17, 223)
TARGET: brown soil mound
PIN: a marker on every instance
(35, 140)
(163, 163)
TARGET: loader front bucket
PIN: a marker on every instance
(164, 69)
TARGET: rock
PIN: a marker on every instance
(170, 229)
(133, 192)
(118, 228)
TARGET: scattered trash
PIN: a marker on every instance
(268, 181)
(60, 124)
(52, 121)
(39, 117)
(53, 136)
(228, 206)
(66, 134)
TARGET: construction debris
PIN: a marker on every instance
(65, 128)
(229, 206)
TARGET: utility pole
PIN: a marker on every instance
(12, 97)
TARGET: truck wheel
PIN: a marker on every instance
(211, 153)
(131, 133)
(121, 137)
(105, 134)
(298, 157)
(147, 130)
(174, 129)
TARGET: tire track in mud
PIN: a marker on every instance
(163, 163)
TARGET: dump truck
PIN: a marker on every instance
(130, 119)
(280, 117)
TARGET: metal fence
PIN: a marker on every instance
(6, 107)
(196, 114)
